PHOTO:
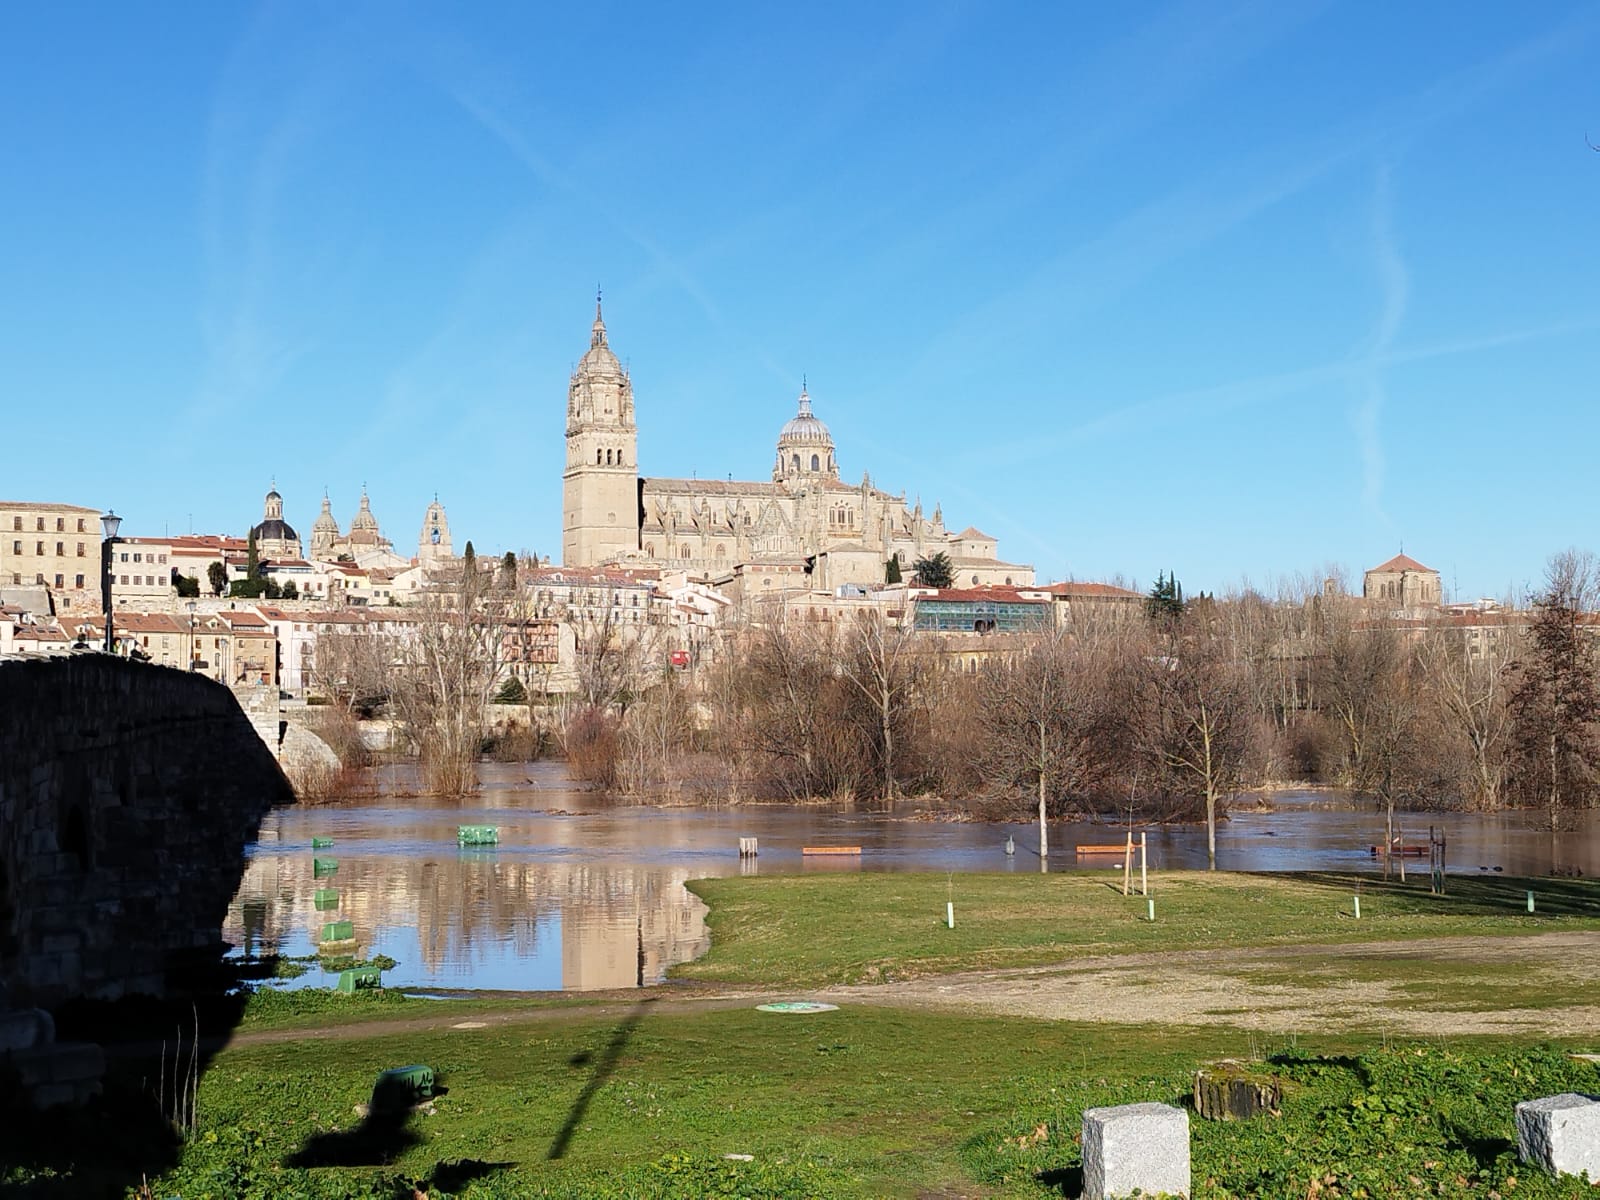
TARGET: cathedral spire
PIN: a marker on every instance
(597, 336)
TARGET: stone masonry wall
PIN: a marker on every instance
(128, 793)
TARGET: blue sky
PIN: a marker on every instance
(1237, 290)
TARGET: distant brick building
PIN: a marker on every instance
(1402, 583)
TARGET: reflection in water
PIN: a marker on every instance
(581, 894)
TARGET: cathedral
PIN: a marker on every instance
(805, 528)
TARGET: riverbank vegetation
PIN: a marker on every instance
(1165, 710)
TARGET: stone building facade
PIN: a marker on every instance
(55, 547)
(1402, 583)
(803, 527)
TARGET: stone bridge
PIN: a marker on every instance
(128, 793)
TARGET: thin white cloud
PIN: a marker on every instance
(1367, 358)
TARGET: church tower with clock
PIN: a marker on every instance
(600, 486)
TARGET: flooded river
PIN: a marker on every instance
(581, 894)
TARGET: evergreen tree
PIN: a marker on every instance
(891, 570)
(1165, 602)
(508, 565)
(291, 591)
(935, 571)
(217, 577)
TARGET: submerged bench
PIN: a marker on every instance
(830, 850)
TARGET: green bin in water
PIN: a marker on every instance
(321, 843)
(326, 899)
(338, 931)
(477, 835)
(322, 867)
(359, 979)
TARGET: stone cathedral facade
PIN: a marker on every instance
(805, 528)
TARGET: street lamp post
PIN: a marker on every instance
(189, 666)
(109, 524)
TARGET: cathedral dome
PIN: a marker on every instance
(805, 447)
(598, 359)
(274, 529)
(805, 427)
(364, 518)
(325, 522)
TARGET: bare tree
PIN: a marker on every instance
(1554, 758)
(447, 675)
(614, 646)
(1467, 682)
(1044, 714)
(880, 663)
(1197, 723)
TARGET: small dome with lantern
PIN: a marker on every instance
(805, 447)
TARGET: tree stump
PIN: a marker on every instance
(1228, 1092)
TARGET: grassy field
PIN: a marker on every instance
(646, 1097)
(811, 930)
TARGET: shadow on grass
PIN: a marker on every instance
(156, 1052)
(1470, 895)
(383, 1135)
(453, 1176)
(604, 1067)
(1065, 1181)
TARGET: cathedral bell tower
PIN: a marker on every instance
(600, 487)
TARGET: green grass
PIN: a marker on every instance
(855, 1103)
(556, 1098)
(798, 931)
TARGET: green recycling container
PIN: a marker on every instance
(321, 867)
(401, 1087)
(477, 835)
(338, 931)
(325, 899)
(321, 843)
(360, 979)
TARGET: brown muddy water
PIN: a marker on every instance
(582, 894)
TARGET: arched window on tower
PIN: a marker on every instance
(683, 551)
(816, 463)
(796, 462)
(722, 551)
(597, 456)
(619, 458)
(649, 549)
(608, 458)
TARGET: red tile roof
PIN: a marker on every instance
(1003, 595)
(1401, 562)
(1092, 591)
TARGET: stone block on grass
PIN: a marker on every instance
(1561, 1134)
(1135, 1149)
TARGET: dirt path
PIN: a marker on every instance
(1333, 988)
(1247, 989)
